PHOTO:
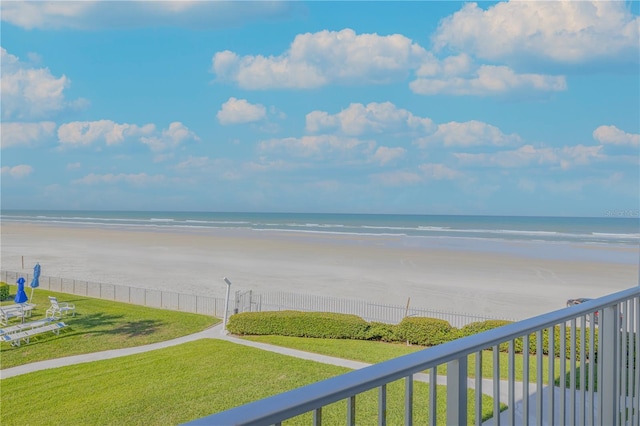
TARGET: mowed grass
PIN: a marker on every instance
(97, 326)
(375, 352)
(186, 382)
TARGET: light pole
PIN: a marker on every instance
(226, 306)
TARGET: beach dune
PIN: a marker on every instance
(379, 269)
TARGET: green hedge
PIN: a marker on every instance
(426, 331)
(299, 324)
(4, 291)
(422, 331)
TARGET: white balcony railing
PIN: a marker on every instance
(602, 388)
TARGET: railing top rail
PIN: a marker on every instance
(298, 401)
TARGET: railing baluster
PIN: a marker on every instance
(496, 385)
(539, 384)
(621, 352)
(351, 411)
(636, 364)
(572, 371)
(609, 330)
(551, 359)
(457, 391)
(478, 388)
(562, 415)
(408, 401)
(592, 372)
(583, 374)
(382, 405)
(433, 378)
(317, 417)
(512, 383)
(525, 380)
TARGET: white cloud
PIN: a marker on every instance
(563, 31)
(79, 133)
(439, 172)
(384, 155)
(30, 93)
(614, 136)
(487, 80)
(139, 179)
(27, 134)
(176, 134)
(375, 117)
(565, 157)
(91, 15)
(236, 111)
(85, 133)
(17, 172)
(317, 59)
(319, 146)
(73, 166)
(470, 133)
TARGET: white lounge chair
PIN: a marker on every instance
(58, 309)
(7, 314)
(25, 326)
(16, 338)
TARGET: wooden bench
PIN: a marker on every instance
(16, 338)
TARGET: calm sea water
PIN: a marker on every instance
(619, 231)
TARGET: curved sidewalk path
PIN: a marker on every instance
(215, 332)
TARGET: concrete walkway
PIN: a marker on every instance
(216, 332)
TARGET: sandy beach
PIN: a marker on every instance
(503, 283)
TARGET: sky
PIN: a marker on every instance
(509, 108)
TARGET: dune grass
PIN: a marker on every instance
(100, 325)
(186, 382)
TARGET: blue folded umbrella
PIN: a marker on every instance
(21, 296)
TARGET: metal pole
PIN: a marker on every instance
(226, 306)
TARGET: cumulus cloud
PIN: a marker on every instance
(614, 136)
(435, 171)
(470, 133)
(319, 147)
(527, 155)
(236, 111)
(176, 134)
(79, 133)
(562, 31)
(384, 155)
(17, 172)
(359, 119)
(30, 93)
(326, 57)
(139, 179)
(486, 80)
(91, 15)
(25, 134)
(85, 133)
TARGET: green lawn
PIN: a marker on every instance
(374, 352)
(100, 325)
(186, 382)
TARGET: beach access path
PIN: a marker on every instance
(216, 332)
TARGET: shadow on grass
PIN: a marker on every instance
(136, 328)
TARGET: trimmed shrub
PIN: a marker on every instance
(298, 324)
(4, 291)
(425, 331)
(382, 331)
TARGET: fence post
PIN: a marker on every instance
(609, 329)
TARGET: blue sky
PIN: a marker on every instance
(514, 108)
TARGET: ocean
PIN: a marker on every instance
(616, 231)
